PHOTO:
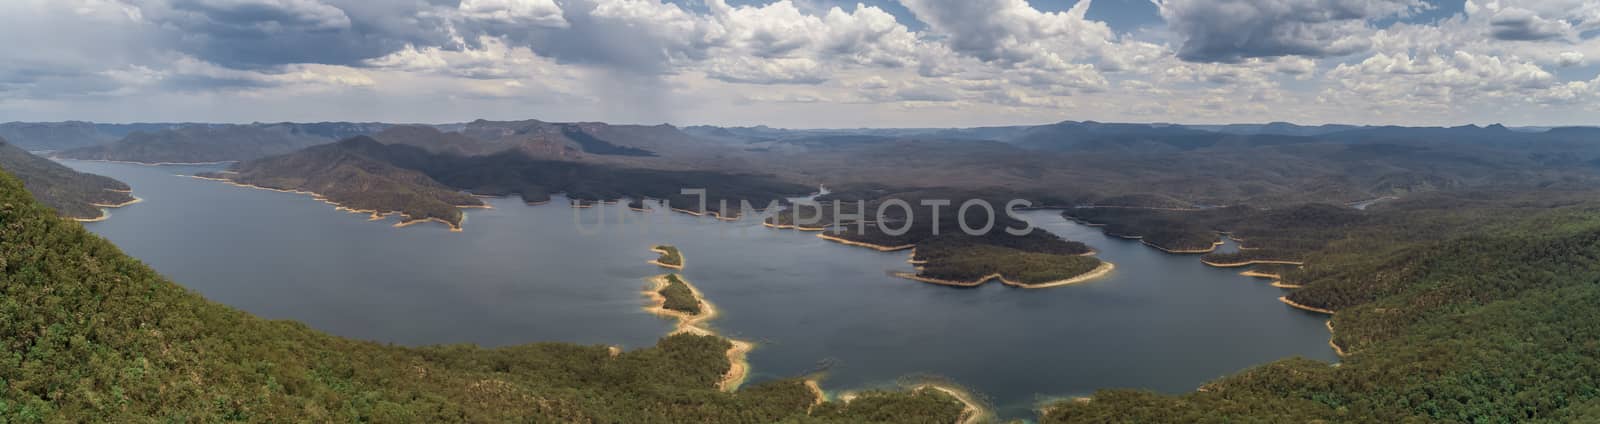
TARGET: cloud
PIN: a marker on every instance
(1569, 59)
(267, 33)
(1012, 32)
(816, 62)
(767, 71)
(1233, 30)
(543, 13)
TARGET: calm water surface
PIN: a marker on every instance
(552, 273)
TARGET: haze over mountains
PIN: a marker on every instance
(1067, 162)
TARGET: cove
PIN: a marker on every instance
(519, 274)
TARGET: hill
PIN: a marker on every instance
(367, 174)
(92, 335)
(1448, 308)
(348, 174)
(71, 193)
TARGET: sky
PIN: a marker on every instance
(804, 63)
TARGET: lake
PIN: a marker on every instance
(520, 273)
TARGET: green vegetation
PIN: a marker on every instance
(975, 262)
(1288, 233)
(1467, 307)
(71, 193)
(916, 406)
(88, 334)
(345, 173)
(669, 255)
(679, 297)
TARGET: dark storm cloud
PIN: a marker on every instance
(1233, 30)
(254, 34)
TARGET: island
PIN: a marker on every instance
(670, 257)
(945, 254)
(677, 296)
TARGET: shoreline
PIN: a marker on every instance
(792, 227)
(104, 208)
(738, 362)
(129, 162)
(972, 412)
(1286, 301)
(136, 199)
(1259, 274)
(1336, 349)
(820, 396)
(374, 214)
(1250, 262)
(1098, 271)
(713, 214)
(1277, 280)
(1213, 248)
(877, 247)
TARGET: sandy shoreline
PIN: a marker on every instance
(877, 247)
(1286, 301)
(136, 199)
(1250, 262)
(708, 213)
(1213, 248)
(1259, 274)
(792, 227)
(1336, 349)
(1097, 272)
(223, 162)
(373, 214)
(972, 412)
(104, 213)
(738, 363)
(1277, 280)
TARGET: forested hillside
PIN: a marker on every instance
(71, 193)
(342, 174)
(88, 334)
(1471, 308)
(415, 179)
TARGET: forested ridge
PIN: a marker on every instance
(71, 193)
(88, 334)
(341, 174)
(364, 173)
